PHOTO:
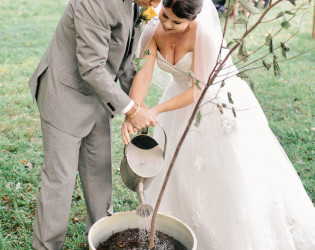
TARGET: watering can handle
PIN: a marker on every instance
(144, 131)
(165, 139)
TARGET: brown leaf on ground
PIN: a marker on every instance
(84, 245)
(29, 165)
(75, 219)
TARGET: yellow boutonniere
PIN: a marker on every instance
(146, 13)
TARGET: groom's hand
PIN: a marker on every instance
(126, 130)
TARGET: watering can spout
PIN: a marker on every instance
(143, 210)
(140, 190)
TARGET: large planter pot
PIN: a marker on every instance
(107, 226)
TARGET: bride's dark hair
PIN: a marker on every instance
(184, 8)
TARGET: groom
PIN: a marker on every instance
(77, 95)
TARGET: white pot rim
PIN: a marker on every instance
(124, 214)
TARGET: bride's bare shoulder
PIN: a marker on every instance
(193, 28)
(159, 32)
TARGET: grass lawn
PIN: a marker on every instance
(26, 28)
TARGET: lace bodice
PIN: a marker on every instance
(180, 70)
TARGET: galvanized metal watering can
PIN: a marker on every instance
(142, 161)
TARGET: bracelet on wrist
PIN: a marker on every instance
(135, 113)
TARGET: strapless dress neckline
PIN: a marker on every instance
(180, 60)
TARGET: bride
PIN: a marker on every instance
(232, 183)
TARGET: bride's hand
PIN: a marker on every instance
(155, 110)
(126, 130)
(144, 105)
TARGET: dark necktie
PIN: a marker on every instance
(135, 12)
(130, 42)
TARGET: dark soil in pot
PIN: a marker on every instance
(132, 239)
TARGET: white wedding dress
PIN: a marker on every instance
(232, 183)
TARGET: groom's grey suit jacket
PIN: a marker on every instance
(93, 46)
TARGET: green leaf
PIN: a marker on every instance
(242, 75)
(234, 112)
(285, 46)
(280, 14)
(220, 108)
(276, 68)
(289, 12)
(284, 49)
(229, 44)
(284, 53)
(197, 84)
(142, 9)
(268, 39)
(285, 24)
(244, 48)
(198, 119)
(191, 74)
(222, 84)
(242, 53)
(241, 20)
(196, 81)
(270, 44)
(230, 98)
(248, 5)
(140, 17)
(140, 62)
(147, 52)
(293, 2)
(266, 64)
(137, 22)
(224, 105)
(237, 40)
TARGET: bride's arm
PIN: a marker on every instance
(182, 100)
(177, 102)
(142, 80)
(139, 88)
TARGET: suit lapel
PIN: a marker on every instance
(128, 17)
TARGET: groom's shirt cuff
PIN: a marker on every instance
(126, 109)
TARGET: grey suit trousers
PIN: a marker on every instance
(64, 156)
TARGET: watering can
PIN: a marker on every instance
(142, 161)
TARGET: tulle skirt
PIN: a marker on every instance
(232, 182)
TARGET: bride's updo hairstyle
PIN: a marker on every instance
(188, 9)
